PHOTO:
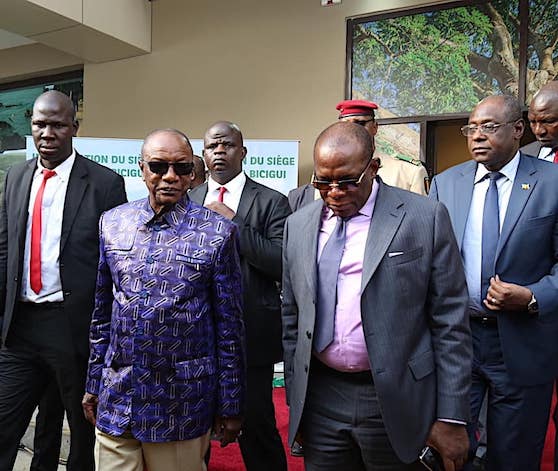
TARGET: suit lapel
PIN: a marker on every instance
(309, 193)
(26, 182)
(310, 228)
(386, 219)
(247, 198)
(198, 194)
(77, 185)
(22, 209)
(523, 187)
(463, 194)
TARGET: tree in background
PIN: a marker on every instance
(542, 53)
(444, 61)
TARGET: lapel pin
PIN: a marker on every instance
(525, 186)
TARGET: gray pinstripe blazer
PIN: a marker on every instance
(413, 315)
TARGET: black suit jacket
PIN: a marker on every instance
(92, 189)
(301, 196)
(532, 149)
(260, 218)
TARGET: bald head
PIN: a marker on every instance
(344, 169)
(507, 104)
(223, 151)
(543, 115)
(221, 127)
(56, 100)
(167, 168)
(341, 133)
(157, 133)
(53, 127)
(547, 92)
(494, 131)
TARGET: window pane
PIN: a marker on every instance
(442, 61)
(542, 51)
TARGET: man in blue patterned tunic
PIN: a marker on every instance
(167, 355)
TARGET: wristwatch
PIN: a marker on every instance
(533, 306)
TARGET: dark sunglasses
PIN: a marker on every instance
(161, 168)
(343, 185)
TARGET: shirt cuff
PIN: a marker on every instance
(453, 421)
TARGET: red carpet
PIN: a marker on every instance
(548, 454)
(229, 459)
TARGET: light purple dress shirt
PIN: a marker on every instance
(348, 350)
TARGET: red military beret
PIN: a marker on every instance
(356, 108)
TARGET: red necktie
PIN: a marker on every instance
(36, 231)
(556, 157)
(222, 191)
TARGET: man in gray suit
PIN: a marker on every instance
(512, 277)
(383, 368)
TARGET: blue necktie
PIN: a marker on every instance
(490, 232)
(328, 269)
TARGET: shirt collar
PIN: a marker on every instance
(368, 207)
(546, 151)
(63, 170)
(173, 217)
(234, 186)
(509, 170)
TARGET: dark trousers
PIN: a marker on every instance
(48, 430)
(517, 416)
(342, 425)
(260, 442)
(40, 349)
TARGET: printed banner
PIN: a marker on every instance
(272, 163)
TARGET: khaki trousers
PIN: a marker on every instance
(125, 453)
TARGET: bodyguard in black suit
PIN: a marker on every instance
(543, 119)
(260, 214)
(47, 280)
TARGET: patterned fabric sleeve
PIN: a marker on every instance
(99, 335)
(229, 326)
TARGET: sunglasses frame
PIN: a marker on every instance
(166, 165)
(342, 185)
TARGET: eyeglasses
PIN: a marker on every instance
(343, 185)
(488, 128)
(161, 168)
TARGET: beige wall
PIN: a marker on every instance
(32, 60)
(277, 68)
(95, 30)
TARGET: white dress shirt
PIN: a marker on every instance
(546, 153)
(471, 249)
(51, 229)
(231, 197)
(348, 352)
